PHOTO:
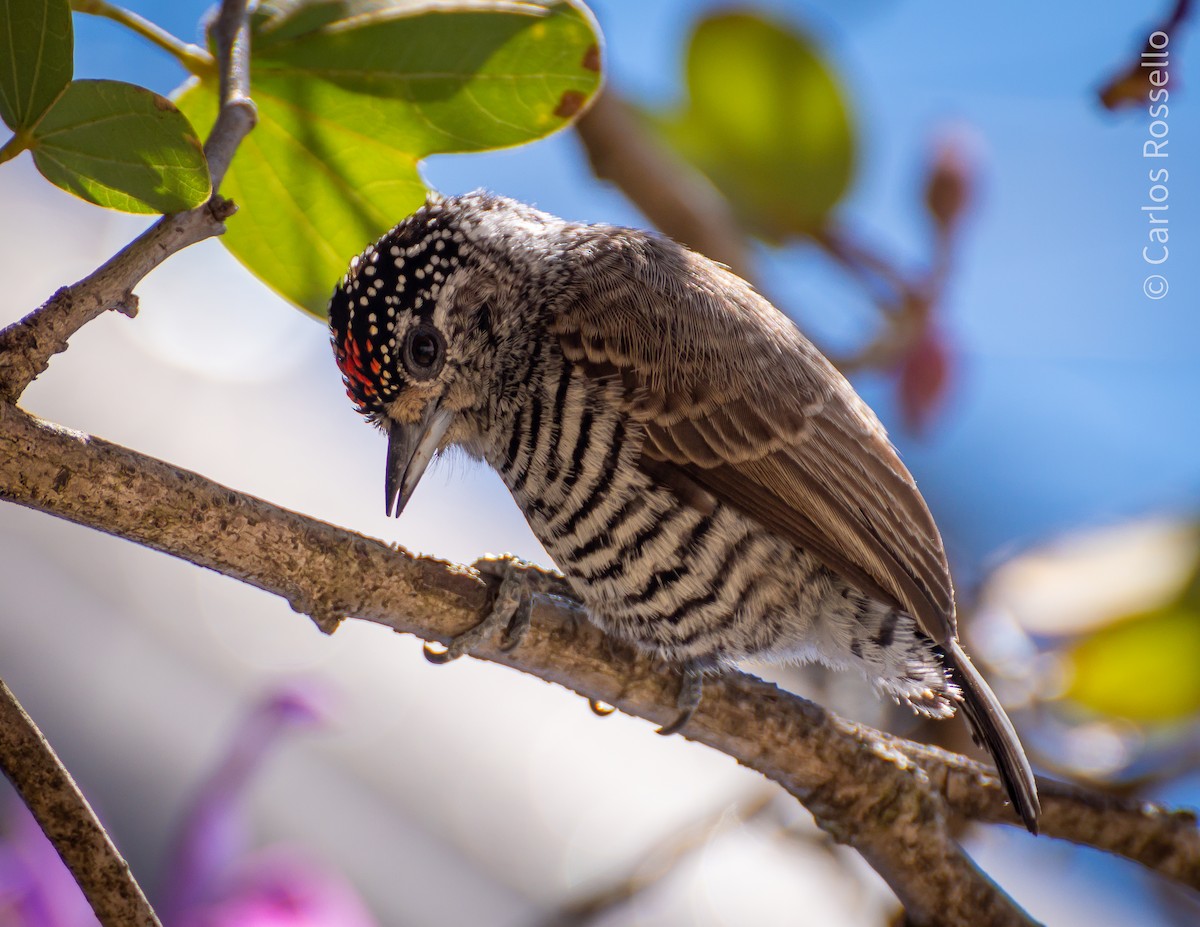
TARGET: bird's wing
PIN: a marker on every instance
(735, 401)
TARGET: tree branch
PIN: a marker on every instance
(1164, 840)
(860, 788)
(68, 821)
(27, 346)
(192, 57)
(882, 795)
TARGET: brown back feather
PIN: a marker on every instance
(734, 398)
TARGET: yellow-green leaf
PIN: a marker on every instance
(36, 50)
(1143, 668)
(767, 122)
(352, 94)
(121, 146)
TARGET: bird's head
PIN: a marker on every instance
(427, 319)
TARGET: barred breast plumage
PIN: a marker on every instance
(711, 487)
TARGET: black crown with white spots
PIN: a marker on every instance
(381, 313)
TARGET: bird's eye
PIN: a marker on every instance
(424, 352)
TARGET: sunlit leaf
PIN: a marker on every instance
(1143, 668)
(36, 49)
(766, 120)
(352, 95)
(277, 22)
(121, 146)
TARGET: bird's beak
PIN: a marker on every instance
(410, 448)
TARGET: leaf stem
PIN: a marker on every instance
(193, 57)
(14, 146)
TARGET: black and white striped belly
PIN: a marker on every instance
(691, 584)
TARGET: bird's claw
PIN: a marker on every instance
(435, 656)
(691, 690)
(509, 615)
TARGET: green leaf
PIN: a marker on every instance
(36, 58)
(767, 122)
(121, 146)
(1143, 668)
(278, 21)
(353, 94)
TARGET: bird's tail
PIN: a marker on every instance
(993, 730)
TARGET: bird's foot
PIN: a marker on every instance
(691, 690)
(511, 608)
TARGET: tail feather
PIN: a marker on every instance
(995, 732)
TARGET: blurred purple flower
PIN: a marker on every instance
(211, 835)
(213, 881)
(36, 889)
(279, 888)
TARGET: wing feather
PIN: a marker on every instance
(734, 400)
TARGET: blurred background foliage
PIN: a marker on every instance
(948, 200)
(747, 77)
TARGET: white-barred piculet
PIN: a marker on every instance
(711, 487)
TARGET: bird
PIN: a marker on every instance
(709, 484)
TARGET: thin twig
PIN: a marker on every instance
(1130, 86)
(192, 57)
(27, 346)
(230, 32)
(654, 865)
(68, 821)
(673, 195)
(874, 271)
(874, 792)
